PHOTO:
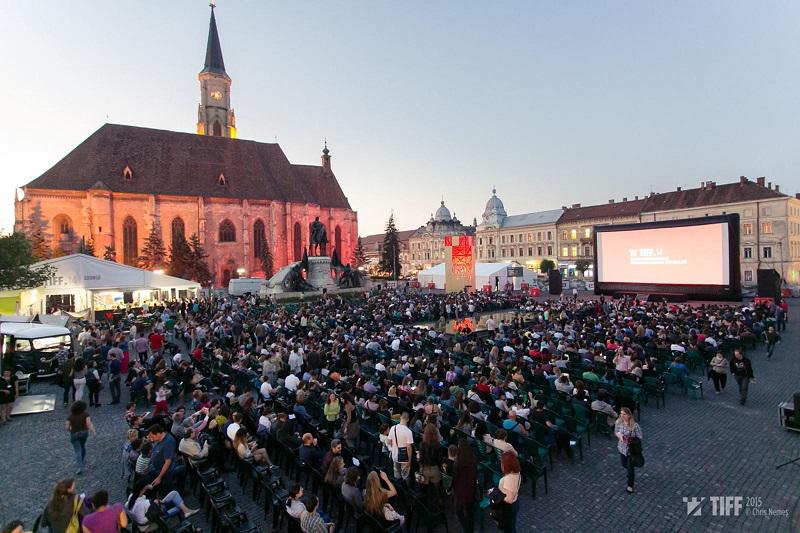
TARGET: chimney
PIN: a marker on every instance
(797, 195)
(702, 184)
(636, 197)
(777, 188)
(679, 189)
(575, 206)
(710, 184)
(563, 207)
(761, 181)
(612, 200)
(769, 185)
(625, 199)
(742, 180)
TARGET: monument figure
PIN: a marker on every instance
(319, 238)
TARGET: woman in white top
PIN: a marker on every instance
(139, 504)
(294, 506)
(509, 485)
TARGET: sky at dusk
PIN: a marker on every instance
(554, 103)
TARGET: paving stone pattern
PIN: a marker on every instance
(693, 449)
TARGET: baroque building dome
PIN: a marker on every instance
(495, 213)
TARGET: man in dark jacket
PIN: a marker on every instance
(742, 372)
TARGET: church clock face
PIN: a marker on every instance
(216, 95)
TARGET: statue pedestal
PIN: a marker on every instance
(319, 273)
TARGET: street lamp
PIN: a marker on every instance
(240, 271)
(158, 271)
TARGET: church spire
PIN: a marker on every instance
(214, 62)
(215, 114)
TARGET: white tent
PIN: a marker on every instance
(90, 284)
(485, 274)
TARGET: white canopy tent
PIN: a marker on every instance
(91, 284)
(485, 274)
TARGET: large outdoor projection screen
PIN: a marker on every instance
(698, 258)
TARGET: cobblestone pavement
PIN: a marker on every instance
(693, 448)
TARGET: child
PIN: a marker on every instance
(143, 461)
(162, 394)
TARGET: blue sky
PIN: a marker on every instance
(553, 102)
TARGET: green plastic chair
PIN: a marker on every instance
(693, 386)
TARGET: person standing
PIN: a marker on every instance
(93, 384)
(79, 372)
(719, 371)
(64, 508)
(626, 429)
(401, 444)
(465, 485)
(105, 519)
(771, 337)
(9, 390)
(65, 377)
(742, 371)
(79, 424)
(114, 372)
(509, 485)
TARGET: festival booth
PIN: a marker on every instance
(485, 274)
(84, 286)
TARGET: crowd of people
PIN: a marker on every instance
(239, 373)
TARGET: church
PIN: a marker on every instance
(239, 196)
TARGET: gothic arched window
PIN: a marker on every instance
(178, 231)
(337, 241)
(130, 246)
(259, 239)
(227, 231)
(217, 129)
(298, 242)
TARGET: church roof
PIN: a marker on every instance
(186, 164)
(214, 62)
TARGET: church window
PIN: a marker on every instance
(130, 251)
(221, 181)
(259, 239)
(217, 131)
(63, 224)
(127, 173)
(178, 231)
(298, 242)
(227, 231)
(337, 240)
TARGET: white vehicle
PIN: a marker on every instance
(240, 286)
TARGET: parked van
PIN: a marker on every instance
(240, 286)
(32, 348)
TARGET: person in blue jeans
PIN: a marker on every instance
(139, 504)
(79, 424)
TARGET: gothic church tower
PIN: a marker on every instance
(215, 115)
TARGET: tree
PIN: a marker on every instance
(153, 254)
(390, 256)
(267, 265)
(359, 258)
(179, 257)
(582, 265)
(109, 254)
(196, 267)
(86, 248)
(546, 266)
(37, 235)
(16, 258)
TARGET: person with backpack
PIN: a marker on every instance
(93, 383)
(629, 435)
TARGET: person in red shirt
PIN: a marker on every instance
(156, 342)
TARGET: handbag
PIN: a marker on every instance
(402, 453)
(635, 455)
(74, 525)
(154, 512)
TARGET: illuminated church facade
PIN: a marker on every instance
(238, 196)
